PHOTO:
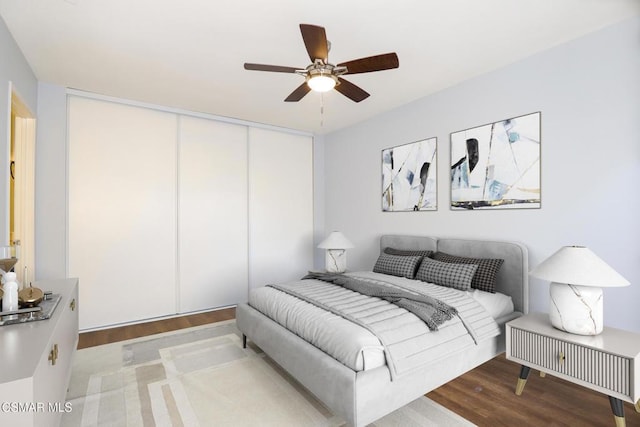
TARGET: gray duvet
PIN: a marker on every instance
(406, 341)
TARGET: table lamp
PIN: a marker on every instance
(336, 255)
(577, 277)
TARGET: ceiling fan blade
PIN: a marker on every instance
(386, 61)
(351, 91)
(274, 68)
(299, 93)
(315, 40)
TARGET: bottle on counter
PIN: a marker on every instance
(10, 297)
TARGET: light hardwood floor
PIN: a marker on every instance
(484, 396)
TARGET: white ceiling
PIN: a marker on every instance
(189, 54)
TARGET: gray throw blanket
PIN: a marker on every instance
(431, 311)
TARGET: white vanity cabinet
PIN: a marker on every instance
(36, 359)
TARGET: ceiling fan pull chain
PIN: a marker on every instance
(321, 109)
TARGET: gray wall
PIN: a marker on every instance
(588, 91)
(14, 73)
(51, 182)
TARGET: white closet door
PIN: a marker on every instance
(212, 214)
(122, 211)
(280, 206)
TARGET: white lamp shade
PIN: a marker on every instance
(577, 265)
(335, 240)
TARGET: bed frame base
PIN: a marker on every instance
(358, 397)
(363, 397)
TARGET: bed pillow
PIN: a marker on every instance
(457, 276)
(396, 265)
(407, 252)
(497, 305)
(485, 277)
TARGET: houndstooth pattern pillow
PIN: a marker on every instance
(395, 265)
(406, 252)
(485, 277)
(457, 276)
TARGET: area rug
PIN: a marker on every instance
(203, 377)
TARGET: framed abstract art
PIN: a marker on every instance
(497, 165)
(409, 177)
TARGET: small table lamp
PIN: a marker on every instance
(577, 277)
(336, 256)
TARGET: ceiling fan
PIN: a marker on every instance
(321, 75)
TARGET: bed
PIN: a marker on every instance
(361, 396)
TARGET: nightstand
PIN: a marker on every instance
(608, 363)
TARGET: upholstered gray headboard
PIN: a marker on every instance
(513, 276)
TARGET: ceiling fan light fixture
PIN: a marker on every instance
(322, 82)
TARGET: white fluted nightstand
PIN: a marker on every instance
(608, 363)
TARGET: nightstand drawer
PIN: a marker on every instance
(598, 368)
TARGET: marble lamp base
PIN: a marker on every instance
(576, 309)
(336, 261)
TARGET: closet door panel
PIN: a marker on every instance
(280, 206)
(122, 211)
(212, 214)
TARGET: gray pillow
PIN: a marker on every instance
(407, 252)
(457, 276)
(485, 277)
(396, 265)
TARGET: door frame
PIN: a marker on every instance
(21, 186)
